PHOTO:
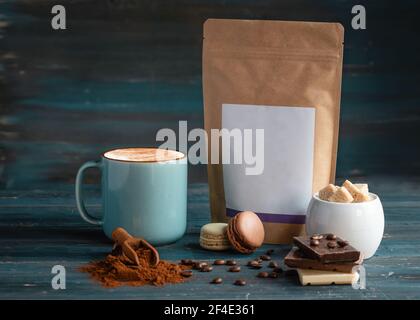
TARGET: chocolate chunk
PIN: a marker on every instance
(332, 244)
(331, 236)
(240, 282)
(327, 253)
(296, 259)
(314, 242)
(316, 237)
(265, 257)
(231, 262)
(217, 281)
(262, 274)
(273, 264)
(186, 273)
(342, 243)
(219, 262)
(235, 269)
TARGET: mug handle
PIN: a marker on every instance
(79, 193)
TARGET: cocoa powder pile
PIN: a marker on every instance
(116, 270)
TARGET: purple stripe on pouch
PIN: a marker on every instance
(273, 217)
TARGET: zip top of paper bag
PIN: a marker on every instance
(294, 36)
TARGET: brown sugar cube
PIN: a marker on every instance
(363, 187)
(358, 196)
(327, 192)
(341, 195)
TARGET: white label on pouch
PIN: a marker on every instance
(281, 193)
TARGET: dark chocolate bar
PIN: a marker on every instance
(296, 259)
(327, 248)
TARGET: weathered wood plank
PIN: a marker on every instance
(66, 95)
(385, 279)
(41, 228)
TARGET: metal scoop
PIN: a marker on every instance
(129, 244)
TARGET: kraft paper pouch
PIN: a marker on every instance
(285, 78)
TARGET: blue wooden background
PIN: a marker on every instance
(123, 69)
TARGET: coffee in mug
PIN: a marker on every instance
(144, 190)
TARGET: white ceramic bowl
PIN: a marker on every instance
(362, 224)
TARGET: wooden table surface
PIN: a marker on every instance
(40, 229)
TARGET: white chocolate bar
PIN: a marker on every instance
(341, 195)
(327, 192)
(358, 196)
(318, 277)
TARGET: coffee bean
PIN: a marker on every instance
(265, 257)
(217, 281)
(278, 270)
(262, 274)
(342, 243)
(231, 262)
(206, 269)
(331, 236)
(235, 269)
(200, 265)
(240, 282)
(270, 252)
(186, 273)
(255, 265)
(273, 264)
(252, 263)
(290, 273)
(273, 275)
(332, 244)
(316, 237)
(187, 262)
(219, 262)
(314, 242)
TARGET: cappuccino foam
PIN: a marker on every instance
(143, 155)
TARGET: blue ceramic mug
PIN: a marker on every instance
(144, 190)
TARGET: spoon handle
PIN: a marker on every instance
(119, 235)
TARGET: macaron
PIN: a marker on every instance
(213, 236)
(245, 232)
